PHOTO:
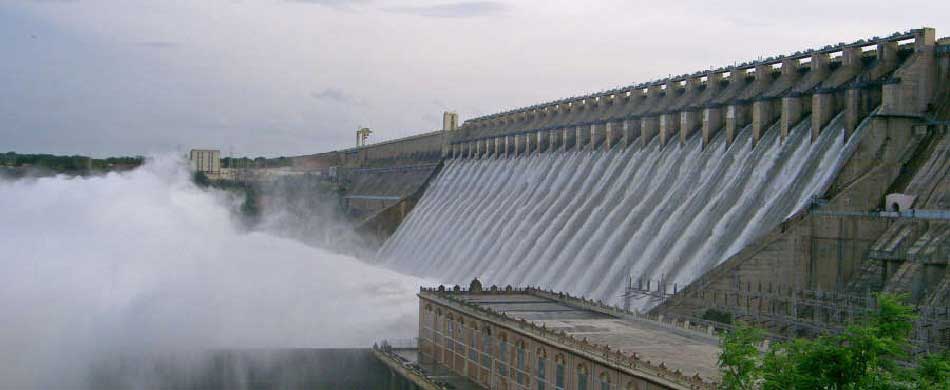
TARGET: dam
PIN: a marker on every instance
(662, 182)
(783, 191)
(582, 221)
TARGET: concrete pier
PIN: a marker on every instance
(761, 118)
(580, 137)
(631, 131)
(689, 123)
(669, 127)
(712, 123)
(791, 113)
(736, 112)
(709, 112)
(610, 134)
(829, 99)
(687, 113)
(771, 105)
(761, 107)
(598, 135)
(737, 117)
(649, 128)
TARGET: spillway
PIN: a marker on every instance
(587, 221)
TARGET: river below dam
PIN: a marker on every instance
(246, 369)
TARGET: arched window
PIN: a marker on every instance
(437, 335)
(486, 346)
(520, 368)
(541, 366)
(472, 340)
(460, 336)
(503, 354)
(605, 381)
(449, 332)
(582, 377)
(559, 372)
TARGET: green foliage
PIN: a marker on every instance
(864, 356)
(720, 316)
(69, 164)
(248, 206)
(201, 179)
(739, 362)
(257, 162)
(934, 371)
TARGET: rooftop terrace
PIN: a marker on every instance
(687, 351)
(678, 351)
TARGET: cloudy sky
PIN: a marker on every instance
(287, 77)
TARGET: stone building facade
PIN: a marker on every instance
(493, 337)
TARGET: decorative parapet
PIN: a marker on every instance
(632, 362)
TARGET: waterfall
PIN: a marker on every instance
(585, 222)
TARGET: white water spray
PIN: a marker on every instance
(141, 263)
(584, 222)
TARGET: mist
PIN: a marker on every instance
(145, 263)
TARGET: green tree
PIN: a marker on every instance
(739, 361)
(865, 356)
(934, 372)
(201, 179)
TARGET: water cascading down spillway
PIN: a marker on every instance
(588, 221)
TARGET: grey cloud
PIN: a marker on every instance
(339, 4)
(338, 96)
(157, 44)
(467, 9)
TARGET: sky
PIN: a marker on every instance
(292, 77)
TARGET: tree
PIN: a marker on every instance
(201, 179)
(934, 372)
(739, 361)
(864, 356)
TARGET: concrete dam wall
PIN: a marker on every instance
(818, 83)
(668, 179)
(583, 221)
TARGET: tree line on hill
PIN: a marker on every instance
(258, 162)
(75, 164)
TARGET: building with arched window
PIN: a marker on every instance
(541, 368)
(529, 339)
(583, 377)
